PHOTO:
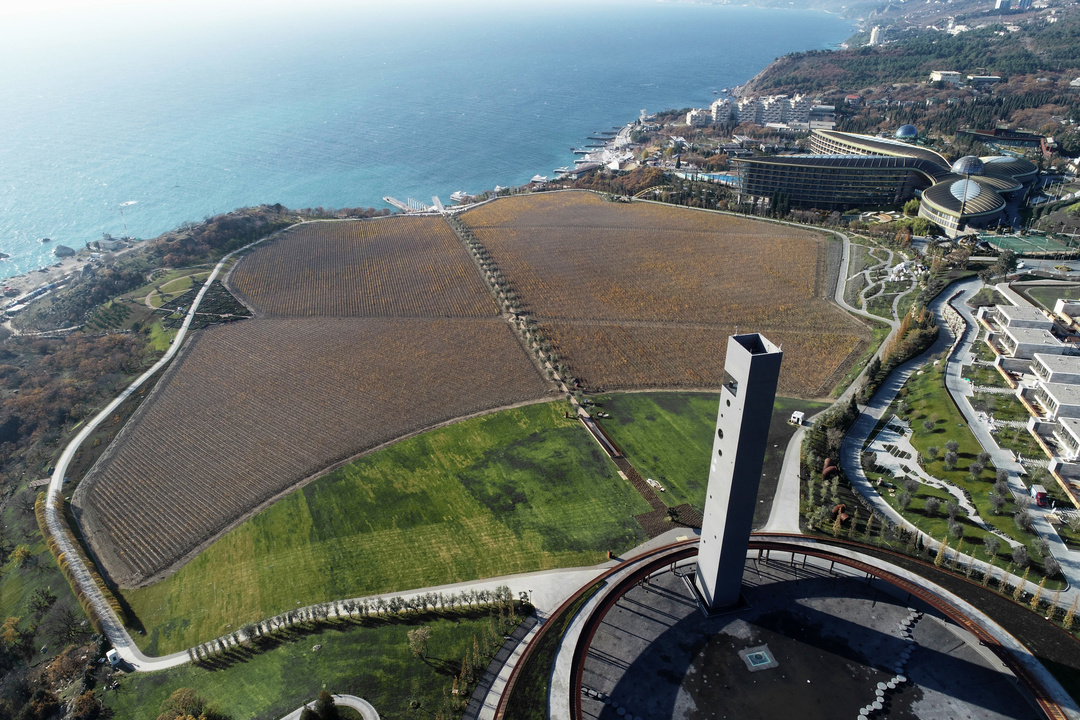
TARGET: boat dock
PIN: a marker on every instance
(410, 206)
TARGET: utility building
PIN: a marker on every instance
(752, 367)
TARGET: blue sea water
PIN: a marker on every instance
(335, 107)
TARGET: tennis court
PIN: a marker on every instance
(1028, 244)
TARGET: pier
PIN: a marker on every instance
(410, 206)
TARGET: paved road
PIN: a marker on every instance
(784, 516)
(359, 704)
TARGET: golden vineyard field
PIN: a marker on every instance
(252, 408)
(396, 267)
(609, 356)
(649, 288)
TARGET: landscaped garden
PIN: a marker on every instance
(950, 452)
(371, 659)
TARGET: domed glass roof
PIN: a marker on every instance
(965, 190)
(907, 132)
(968, 165)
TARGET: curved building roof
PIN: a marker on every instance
(1019, 168)
(1000, 183)
(869, 145)
(973, 196)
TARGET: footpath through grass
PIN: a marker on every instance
(515, 491)
(372, 662)
(668, 436)
(925, 398)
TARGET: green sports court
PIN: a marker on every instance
(1029, 244)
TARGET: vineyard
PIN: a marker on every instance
(644, 295)
(612, 355)
(400, 267)
(252, 408)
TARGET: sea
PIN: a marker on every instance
(131, 120)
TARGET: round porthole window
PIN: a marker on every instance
(720, 453)
(719, 433)
(728, 403)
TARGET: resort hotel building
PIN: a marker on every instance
(847, 170)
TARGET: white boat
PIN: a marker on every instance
(539, 179)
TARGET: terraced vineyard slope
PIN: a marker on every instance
(644, 296)
(393, 267)
(365, 332)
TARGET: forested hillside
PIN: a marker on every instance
(1037, 48)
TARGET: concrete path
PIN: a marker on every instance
(784, 516)
(855, 440)
(359, 704)
(58, 527)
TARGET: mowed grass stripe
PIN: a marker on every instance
(515, 491)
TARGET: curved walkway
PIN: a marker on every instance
(784, 516)
(859, 433)
(359, 704)
(111, 625)
(561, 686)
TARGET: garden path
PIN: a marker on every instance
(361, 705)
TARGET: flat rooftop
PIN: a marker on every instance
(1058, 363)
(1032, 336)
(1070, 425)
(1063, 393)
(810, 643)
(1029, 314)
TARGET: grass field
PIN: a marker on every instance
(640, 295)
(1047, 295)
(255, 407)
(514, 491)
(984, 376)
(669, 436)
(372, 662)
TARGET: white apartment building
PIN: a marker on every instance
(698, 118)
(949, 77)
(769, 109)
(721, 110)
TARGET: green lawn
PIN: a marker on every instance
(881, 305)
(987, 296)
(985, 376)
(982, 351)
(668, 437)
(1002, 407)
(937, 524)
(1019, 440)
(372, 662)
(928, 399)
(1047, 295)
(513, 491)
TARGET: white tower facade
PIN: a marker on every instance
(752, 368)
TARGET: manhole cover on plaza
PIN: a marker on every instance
(758, 658)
